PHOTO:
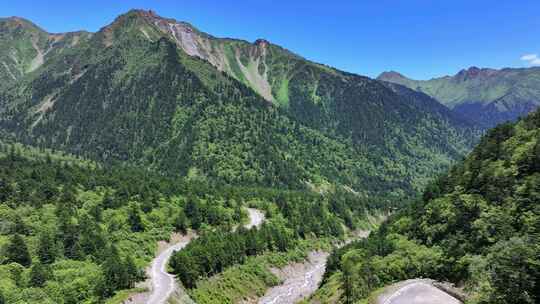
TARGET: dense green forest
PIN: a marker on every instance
(76, 231)
(292, 216)
(73, 231)
(214, 252)
(477, 226)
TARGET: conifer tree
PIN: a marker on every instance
(38, 275)
(193, 212)
(113, 271)
(132, 272)
(181, 222)
(19, 227)
(134, 219)
(17, 251)
(46, 248)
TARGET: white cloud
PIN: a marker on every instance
(532, 59)
(535, 61)
(529, 57)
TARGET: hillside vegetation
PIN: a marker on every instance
(477, 226)
(72, 231)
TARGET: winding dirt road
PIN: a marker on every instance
(163, 283)
(417, 291)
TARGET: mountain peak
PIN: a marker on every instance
(262, 42)
(134, 14)
(142, 22)
(474, 72)
(16, 19)
(19, 22)
(471, 71)
(154, 18)
(390, 75)
(143, 13)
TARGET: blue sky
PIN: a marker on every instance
(419, 38)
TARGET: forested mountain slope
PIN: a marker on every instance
(159, 93)
(486, 97)
(477, 226)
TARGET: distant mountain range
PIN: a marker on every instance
(160, 93)
(486, 97)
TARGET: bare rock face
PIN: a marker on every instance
(473, 73)
(215, 50)
(262, 43)
(240, 59)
